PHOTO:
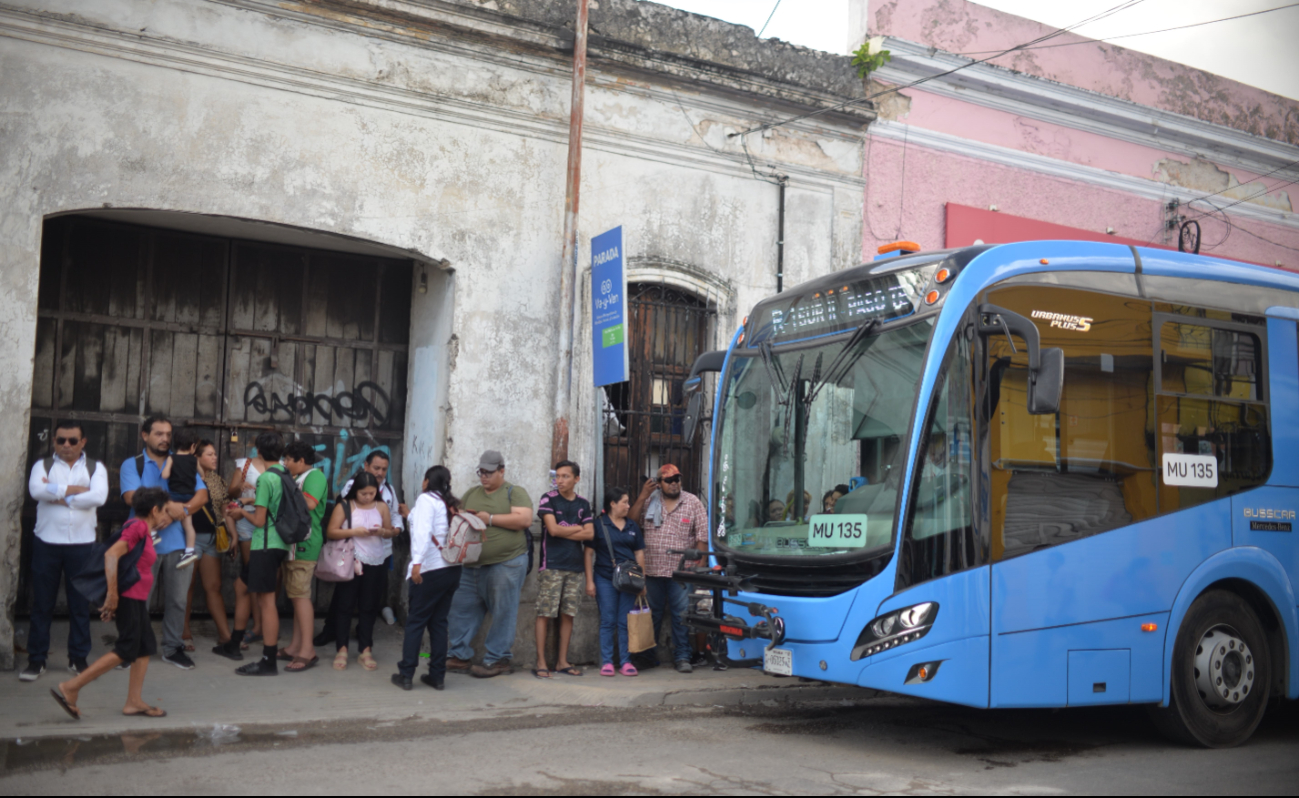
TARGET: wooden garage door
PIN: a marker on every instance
(226, 335)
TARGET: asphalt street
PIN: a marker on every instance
(881, 744)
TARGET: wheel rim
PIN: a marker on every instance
(1224, 669)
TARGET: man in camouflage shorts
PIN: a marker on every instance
(567, 521)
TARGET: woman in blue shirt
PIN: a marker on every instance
(613, 529)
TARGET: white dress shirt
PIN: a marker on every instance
(428, 519)
(389, 497)
(73, 523)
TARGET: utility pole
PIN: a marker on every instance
(568, 260)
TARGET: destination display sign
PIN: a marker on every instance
(844, 306)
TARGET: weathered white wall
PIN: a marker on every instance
(452, 149)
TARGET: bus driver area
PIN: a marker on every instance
(1063, 478)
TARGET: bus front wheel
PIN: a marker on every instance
(1221, 674)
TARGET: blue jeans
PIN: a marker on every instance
(50, 563)
(489, 588)
(614, 606)
(667, 593)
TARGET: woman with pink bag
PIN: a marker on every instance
(363, 519)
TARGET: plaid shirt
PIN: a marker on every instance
(685, 526)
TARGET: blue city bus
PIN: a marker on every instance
(1042, 474)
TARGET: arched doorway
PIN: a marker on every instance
(669, 329)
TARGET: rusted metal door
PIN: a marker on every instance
(229, 336)
(669, 329)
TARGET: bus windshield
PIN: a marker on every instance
(810, 448)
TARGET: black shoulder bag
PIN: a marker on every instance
(628, 577)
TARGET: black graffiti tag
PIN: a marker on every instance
(365, 401)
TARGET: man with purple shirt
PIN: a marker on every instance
(567, 521)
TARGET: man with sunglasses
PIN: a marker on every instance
(493, 583)
(68, 488)
(674, 520)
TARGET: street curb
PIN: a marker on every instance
(766, 695)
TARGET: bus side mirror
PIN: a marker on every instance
(1048, 384)
(694, 385)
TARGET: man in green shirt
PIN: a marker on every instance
(298, 572)
(493, 583)
(268, 553)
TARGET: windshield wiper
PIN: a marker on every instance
(841, 363)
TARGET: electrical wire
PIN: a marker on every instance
(1045, 37)
(769, 16)
(1145, 33)
(1255, 195)
(1260, 177)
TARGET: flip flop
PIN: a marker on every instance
(541, 673)
(63, 702)
(148, 713)
(307, 664)
(570, 671)
(284, 656)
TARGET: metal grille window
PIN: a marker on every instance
(669, 329)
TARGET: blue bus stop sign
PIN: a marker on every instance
(608, 308)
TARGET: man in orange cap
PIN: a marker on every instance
(673, 519)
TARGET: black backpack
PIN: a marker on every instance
(292, 519)
(91, 582)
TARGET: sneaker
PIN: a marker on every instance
(683, 666)
(501, 668)
(427, 679)
(699, 659)
(262, 667)
(180, 659)
(125, 666)
(404, 682)
(32, 672)
(77, 666)
(458, 665)
(229, 650)
(187, 560)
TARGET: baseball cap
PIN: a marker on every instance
(668, 470)
(491, 460)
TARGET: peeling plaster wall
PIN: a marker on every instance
(432, 135)
(958, 26)
(935, 178)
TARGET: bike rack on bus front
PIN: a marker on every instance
(716, 622)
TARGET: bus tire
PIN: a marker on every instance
(1221, 674)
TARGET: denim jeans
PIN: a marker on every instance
(51, 562)
(614, 606)
(430, 606)
(494, 589)
(665, 592)
(174, 587)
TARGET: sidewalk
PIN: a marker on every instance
(212, 694)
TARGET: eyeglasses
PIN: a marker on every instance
(485, 473)
(672, 480)
(67, 441)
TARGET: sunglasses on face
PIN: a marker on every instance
(671, 480)
(67, 441)
(483, 473)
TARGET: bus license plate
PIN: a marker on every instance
(779, 661)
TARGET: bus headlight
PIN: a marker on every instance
(895, 628)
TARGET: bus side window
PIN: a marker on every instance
(1210, 406)
(1091, 467)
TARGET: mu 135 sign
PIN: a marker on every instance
(1191, 470)
(845, 531)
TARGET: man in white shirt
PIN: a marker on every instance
(68, 488)
(376, 463)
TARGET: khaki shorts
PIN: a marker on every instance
(559, 592)
(297, 578)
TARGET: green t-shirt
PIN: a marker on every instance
(313, 483)
(269, 493)
(499, 544)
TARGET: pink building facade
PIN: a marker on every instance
(1087, 136)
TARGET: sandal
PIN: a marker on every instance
(607, 669)
(303, 664)
(367, 661)
(63, 702)
(541, 673)
(628, 669)
(569, 671)
(340, 660)
(151, 712)
(283, 655)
